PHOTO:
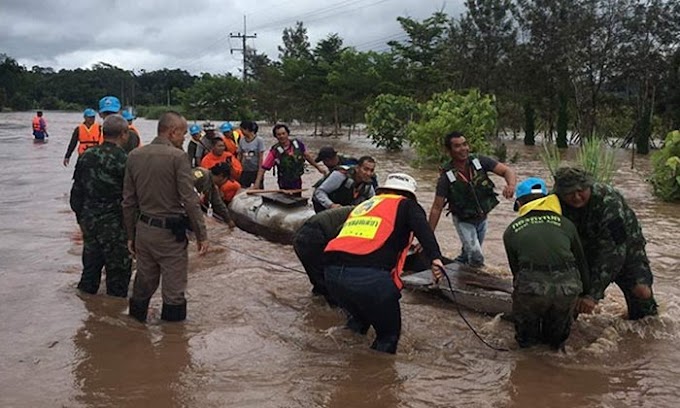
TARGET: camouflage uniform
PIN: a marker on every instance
(612, 241)
(96, 199)
(210, 193)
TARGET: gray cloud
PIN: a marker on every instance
(191, 35)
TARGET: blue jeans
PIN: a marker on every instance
(371, 298)
(471, 234)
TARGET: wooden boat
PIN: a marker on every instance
(473, 289)
(273, 216)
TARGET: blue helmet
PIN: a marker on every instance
(109, 104)
(194, 129)
(89, 113)
(226, 127)
(127, 115)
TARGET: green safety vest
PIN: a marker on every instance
(470, 199)
(289, 166)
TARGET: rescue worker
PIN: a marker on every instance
(309, 243)
(365, 260)
(219, 155)
(96, 200)
(127, 115)
(250, 153)
(210, 195)
(612, 241)
(209, 136)
(221, 174)
(86, 135)
(39, 126)
(466, 186)
(159, 205)
(289, 158)
(228, 137)
(548, 267)
(110, 105)
(346, 186)
(333, 160)
(195, 149)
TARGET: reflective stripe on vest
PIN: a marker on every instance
(88, 137)
(367, 229)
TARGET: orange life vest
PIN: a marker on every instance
(230, 145)
(367, 229)
(211, 160)
(36, 123)
(88, 137)
(229, 190)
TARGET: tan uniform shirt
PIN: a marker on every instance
(159, 183)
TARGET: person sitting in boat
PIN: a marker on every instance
(195, 149)
(219, 155)
(332, 160)
(228, 136)
(39, 127)
(346, 186)
(211, 195)
(289, 158)
(85, 135)
(548, 267)
(365, 260)
(221, 174)
(311, 239)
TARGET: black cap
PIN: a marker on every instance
(326, 152)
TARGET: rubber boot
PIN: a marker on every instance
(387, 344)
(139, 309)
(174, 313)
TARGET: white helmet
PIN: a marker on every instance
(401, 182)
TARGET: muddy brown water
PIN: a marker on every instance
(256, 338)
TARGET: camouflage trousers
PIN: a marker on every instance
(542, 319)
(105, 245)
(636, 270)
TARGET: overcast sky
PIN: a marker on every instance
(192, 34)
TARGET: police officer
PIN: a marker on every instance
(96, 199)
(366, 259)
(309, 243)
(85, 135)
(612, 241)
(158, 195)
(466, 186)
(548, 267)
(346, 186)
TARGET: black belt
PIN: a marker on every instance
(154, 222)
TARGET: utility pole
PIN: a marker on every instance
(243, 37)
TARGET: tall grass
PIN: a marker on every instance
(594, 156)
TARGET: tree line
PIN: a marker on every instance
(560, 68)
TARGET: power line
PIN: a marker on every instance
(243, 37)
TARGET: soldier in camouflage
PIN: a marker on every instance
(209, 192)
(612, 241)
(548, 267)
(96, 198)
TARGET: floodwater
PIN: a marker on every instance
(256, 338)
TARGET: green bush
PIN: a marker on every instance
(387, 119)
(472, 114)
(594, 156)
(666, 175)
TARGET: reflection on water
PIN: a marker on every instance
(255, 337)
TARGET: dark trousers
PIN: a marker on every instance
(248, 178)
(371, 298)
(309, 244)
(105, 245)
(542, 319)
(637, 272)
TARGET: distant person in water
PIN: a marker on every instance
(39, 127)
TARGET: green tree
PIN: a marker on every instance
(217, 97)
(387, 119)
(472, 113)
